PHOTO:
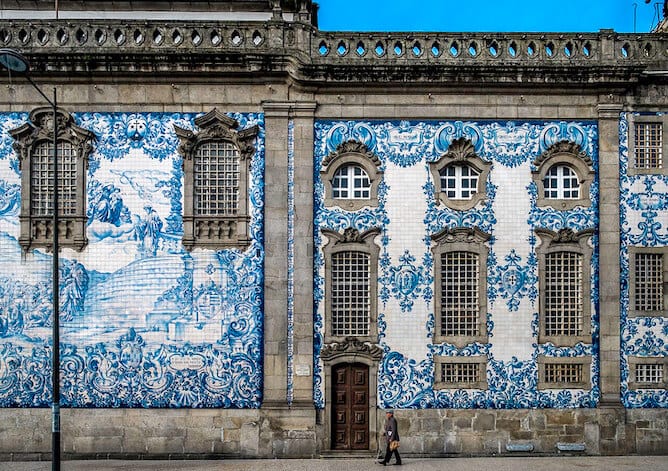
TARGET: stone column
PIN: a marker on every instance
(303, 115)
(276, 258)
(609, 246)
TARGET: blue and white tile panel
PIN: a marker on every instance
(644, 223)
(408, 214)
(143, 322)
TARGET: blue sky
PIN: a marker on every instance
(488, 15)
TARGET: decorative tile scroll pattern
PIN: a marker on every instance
(643, 214)
(143, 322)
(405, 275)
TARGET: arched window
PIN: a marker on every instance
(561, 182)
(460, 176)
(459, 182)
(34, 143)
(563, 176)
(216, 165)
(351, 176)
(351, 182)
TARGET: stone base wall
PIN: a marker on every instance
(25, 434)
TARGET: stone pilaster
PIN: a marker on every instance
(609, 246)
(303, 115)
(276, 258)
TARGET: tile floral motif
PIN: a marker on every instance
(643, 213)
(405, 381)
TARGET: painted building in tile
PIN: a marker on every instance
(271, 233)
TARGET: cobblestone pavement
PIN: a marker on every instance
(558, 463)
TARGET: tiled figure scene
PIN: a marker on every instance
(470, 221)
(144, 322)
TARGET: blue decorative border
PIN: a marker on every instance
(291, 259)
(198, 341)
(404, 382)
(640, 336)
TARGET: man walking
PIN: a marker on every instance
(391, 435)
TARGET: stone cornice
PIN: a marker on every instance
(72, 48)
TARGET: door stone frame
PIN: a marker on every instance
(348, 352)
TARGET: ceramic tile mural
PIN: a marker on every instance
(644, 223)
(408, 215)
(143, 322)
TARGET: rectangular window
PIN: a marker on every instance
(648, 282)
(648, 146)
(460, 299)
(350, 297)
(460, 372)
(216, 188)
(648, 372)
(41, 176)
(564, 373)
(563, 294)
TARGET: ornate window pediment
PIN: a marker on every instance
(563, 176)
(351, 175)
(34, 146)
(460, 176)
(216, 167)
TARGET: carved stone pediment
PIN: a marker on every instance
(351, 346)
(350, 147)
(351, 235)
(564, 236)
(460, 234)
(563, 147)
(216, 126)
(460, 149)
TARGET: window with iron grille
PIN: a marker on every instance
(564, 373)
(350, 298)
(460, 277)
(41, 175)
(351, 279)
(564, 278)
(648, 146)
(563, 176)
(217, 179)
(351, 182)
(648, 372)
(34, 144)
(460, 372)
(561, 182)
(217, 161)
(460, 308)
(459, 182)
(649, 282)
(563, 294)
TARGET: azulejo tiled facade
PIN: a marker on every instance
(514, 160)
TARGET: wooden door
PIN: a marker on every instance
(350, 407)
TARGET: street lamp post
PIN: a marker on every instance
(14, 61)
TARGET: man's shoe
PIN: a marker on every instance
(381, 462)
(398, 463)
